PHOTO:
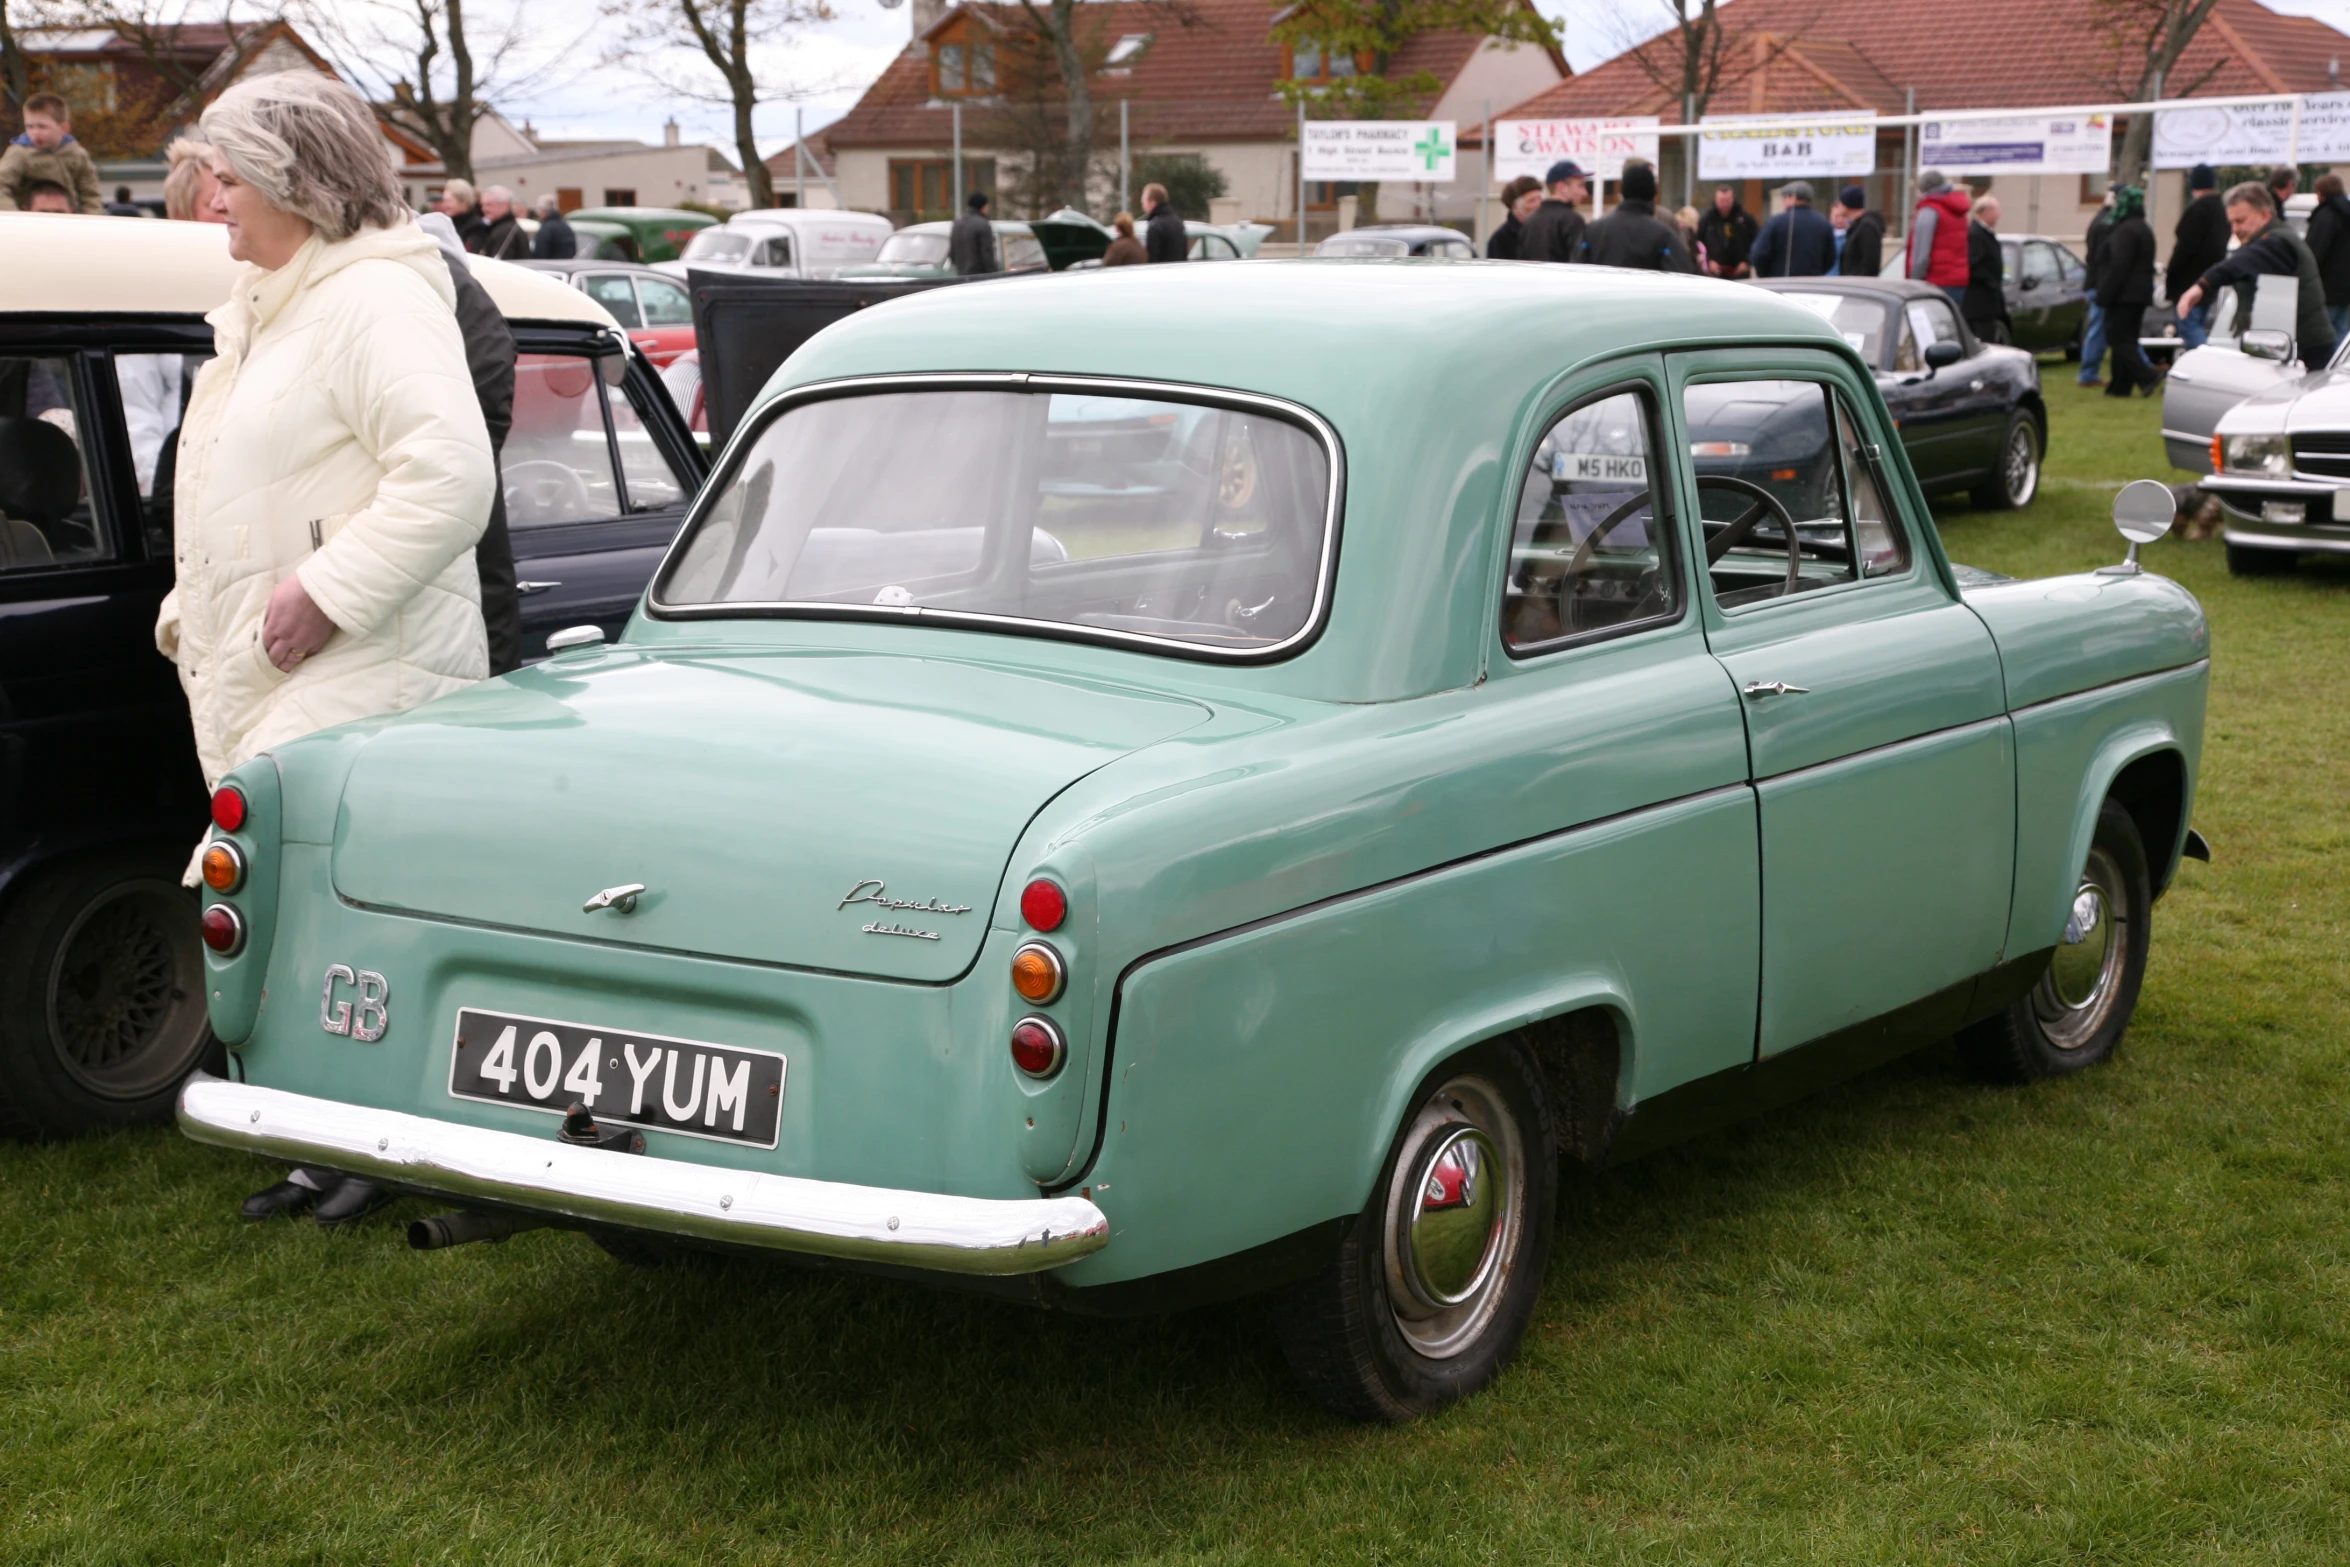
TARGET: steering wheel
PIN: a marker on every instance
(544, 491)
(1607, 524)
(1734, 532)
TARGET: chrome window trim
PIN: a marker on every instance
(722, 471)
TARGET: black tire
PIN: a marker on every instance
(2015, 477)
(2077, 1014)
(2244, 562)
(101, 996)
(1418, 1309)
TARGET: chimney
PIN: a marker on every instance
(927, 14)
(669, 134)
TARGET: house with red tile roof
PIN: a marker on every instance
(1804, 56)
(1198, 78)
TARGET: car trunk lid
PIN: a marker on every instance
(846, 812)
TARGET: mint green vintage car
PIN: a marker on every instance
(1130, 790)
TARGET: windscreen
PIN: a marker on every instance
(917, 250)
(717, 245)
(1858, 317)
(1362, 245)
(1125, 515)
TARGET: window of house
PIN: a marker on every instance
(960, 65)
(1311, 62)
(1589, 552)
(619, 196)
(925, 186)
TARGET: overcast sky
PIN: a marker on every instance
(834, 62)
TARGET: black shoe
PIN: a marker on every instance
(351, 1200)
(286, 1197)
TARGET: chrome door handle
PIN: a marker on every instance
(621, 898)
(1758, 689)
(526, 589)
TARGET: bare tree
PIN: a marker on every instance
(1690, 58)
(724, 34)
(15, 77)
(2147, 39)
(437, 74)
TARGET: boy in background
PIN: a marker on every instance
(47, 154)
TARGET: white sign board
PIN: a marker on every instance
(2223, 133)
(2325, 128)
(2026, 144)
(1420, 150)
(1600, 146)
(1752, 147)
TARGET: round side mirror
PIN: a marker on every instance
(2144, 510)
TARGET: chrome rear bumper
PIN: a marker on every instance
(780, 1212)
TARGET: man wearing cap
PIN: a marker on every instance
(1863, 251)
(1632, 235)
(1798, 242)
(2199, 243)
(1556, 228)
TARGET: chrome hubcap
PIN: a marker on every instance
(1455, 1208)
(2023, 468)
(2076, 997)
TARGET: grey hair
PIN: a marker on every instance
(311, 146)
(185, 178)
(1932, 180)
(2253, 194)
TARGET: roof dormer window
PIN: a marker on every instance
(1128, 49)
(1313, 63)
(961, 66)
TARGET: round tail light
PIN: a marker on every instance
(1037, 1047)
(1037, 973)
(224, 930)
(224, 867)
(228, 807)
(1043, 905)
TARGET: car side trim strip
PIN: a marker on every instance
(975, 1235)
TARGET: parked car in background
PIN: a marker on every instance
(101, 330)
(1225, 241)
(651, 306)
(2280, 469)
(645, 234)
(795, 242)
(919, 250)
(1970, 413)
(2046, 286)
(1232, 812)
(2241, 360)
(1400, 239)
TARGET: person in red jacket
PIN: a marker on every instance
(1938, 235)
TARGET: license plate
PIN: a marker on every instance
(1599, 467)
(721, 1092)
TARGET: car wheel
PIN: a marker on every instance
(101, 996)
(1433, 1288)
(2075, 1016)
(2243, 562)
(2016, 479)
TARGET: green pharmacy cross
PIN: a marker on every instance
(1432, 148)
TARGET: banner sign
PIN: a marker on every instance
(1759, 147)
(1601, 146)
(1419, 150)
(2255, 133)
(2026, 144)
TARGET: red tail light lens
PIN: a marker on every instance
(1037, 1048)
(1043, 905)
(224, 930)
(228, 807)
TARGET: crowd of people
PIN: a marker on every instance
(972, 249)
(489, 224)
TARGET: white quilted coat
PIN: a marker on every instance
(336, 437)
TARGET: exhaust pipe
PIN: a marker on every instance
(443, 1230)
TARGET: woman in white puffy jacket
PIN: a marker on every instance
(333, 469)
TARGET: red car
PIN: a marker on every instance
(653, 306)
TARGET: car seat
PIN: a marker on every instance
(40, 483)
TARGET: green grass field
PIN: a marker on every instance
(1916, 1320)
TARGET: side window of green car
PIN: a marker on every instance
(1591, 550)
(1772, 451)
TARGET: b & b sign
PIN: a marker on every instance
(1417, 150)
(1783, 149)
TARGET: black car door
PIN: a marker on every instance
(95, 744)
(2050, 323)
(598, 471)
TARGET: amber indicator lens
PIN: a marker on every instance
(2219, 455)
(224, 929)
(228, 807)
(1037, 973)
(1043, 905)
(224, 868)
(1036, 1047)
